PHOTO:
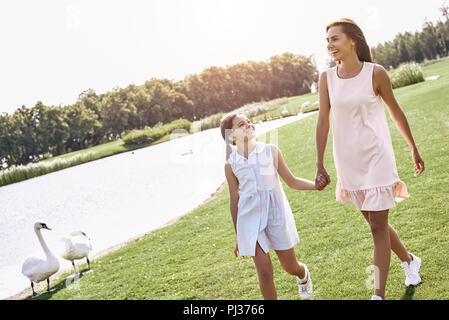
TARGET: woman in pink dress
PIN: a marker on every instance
(353, 92)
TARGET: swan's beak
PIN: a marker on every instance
(45, 227)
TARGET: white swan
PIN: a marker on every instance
(37, 269)
(77, 246)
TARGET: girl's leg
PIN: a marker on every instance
(265, 273)
(396, 244)
(382, 249)
(290, 264)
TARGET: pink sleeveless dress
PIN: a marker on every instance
(363, 152)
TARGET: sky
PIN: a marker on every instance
(52, 50)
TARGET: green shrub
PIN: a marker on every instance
(210, 122)
(406, 74)
(178, 124)
(310, 108)
(137, 137)
(147, 136)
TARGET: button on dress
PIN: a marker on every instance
(363, 152)
(264, 214)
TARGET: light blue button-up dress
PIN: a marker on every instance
(264, 214)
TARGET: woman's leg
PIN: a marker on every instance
(382, 249)
(265, 273)
(396, 244)
(398, 247)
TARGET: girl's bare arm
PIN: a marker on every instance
(234, 193)
(283, 170)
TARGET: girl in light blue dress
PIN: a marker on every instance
(260, 211)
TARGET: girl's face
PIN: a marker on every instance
(242, 128)
(339, 44)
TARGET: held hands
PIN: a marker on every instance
(322, 179)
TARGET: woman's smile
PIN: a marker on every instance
(334, 52)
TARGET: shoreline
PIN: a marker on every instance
(25, 293)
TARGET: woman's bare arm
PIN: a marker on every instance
(322, 131)
(382, 86)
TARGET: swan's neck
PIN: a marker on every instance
(43, 244)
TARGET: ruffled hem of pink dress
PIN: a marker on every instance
(374, 199)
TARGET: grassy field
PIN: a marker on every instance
(193, 258)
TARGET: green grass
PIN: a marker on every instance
(193, 258)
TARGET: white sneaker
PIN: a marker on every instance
(376, 298)
(411, 269)
(415, 263)
(305, 289)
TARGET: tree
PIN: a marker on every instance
(93, 102)
(10, 150)
(25, 120)
(52, 129)
(117, 113)
(445, 11)
(82, 123)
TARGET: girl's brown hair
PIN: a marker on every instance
(226, 124)
(352, 30)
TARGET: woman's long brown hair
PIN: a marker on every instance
(352, 30)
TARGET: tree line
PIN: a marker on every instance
(430, 43)
(31, 134)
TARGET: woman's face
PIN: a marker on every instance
(339, 44)
(242, 128)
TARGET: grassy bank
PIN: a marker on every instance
(193, 258)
